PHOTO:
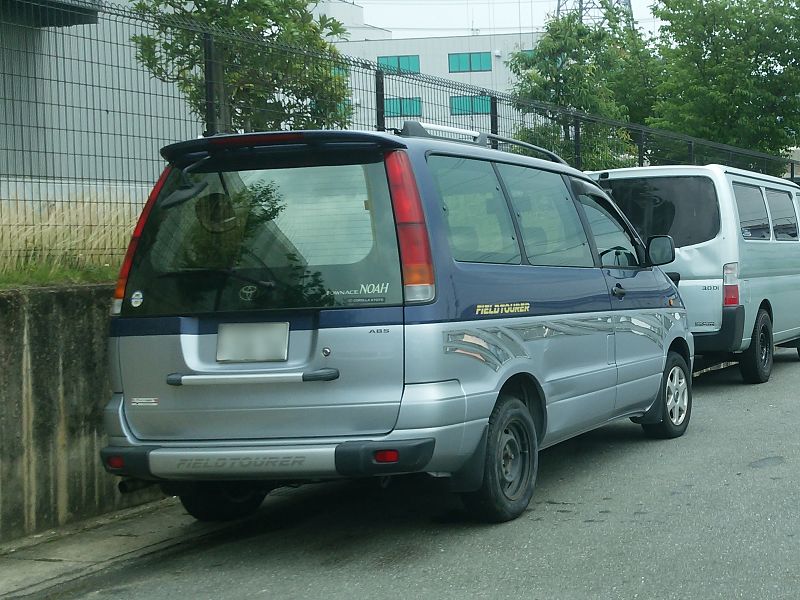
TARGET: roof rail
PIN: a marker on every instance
(419, 129)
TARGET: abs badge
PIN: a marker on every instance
(136, 299)
(505, 308)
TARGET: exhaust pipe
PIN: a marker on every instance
(127, 486)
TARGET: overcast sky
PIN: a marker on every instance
(423, 18)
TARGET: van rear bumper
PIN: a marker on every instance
(729, 336)
(347, 459)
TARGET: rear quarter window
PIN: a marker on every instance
(753, 220)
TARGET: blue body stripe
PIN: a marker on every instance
(298, 321)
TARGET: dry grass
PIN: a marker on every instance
(63, 237)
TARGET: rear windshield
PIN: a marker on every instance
(684, 207)
(227, 239)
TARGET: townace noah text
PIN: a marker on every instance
(323, 304)
(738, 253)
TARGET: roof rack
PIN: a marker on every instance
(419, 129)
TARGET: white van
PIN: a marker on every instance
(737, 256)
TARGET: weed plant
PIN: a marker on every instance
(62, 242)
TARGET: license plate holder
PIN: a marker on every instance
(252, 342)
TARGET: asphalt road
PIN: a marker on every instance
(715, 514)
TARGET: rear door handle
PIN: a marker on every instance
(618, 291)
(251, 377)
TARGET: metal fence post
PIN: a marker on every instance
(791, 170)
(494, 124)
(211, 105)
(577, 140)
(691, 152)
(380, 105)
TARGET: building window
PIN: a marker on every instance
(470, 105)
(403, 107)
(408, 63)
(466, 62)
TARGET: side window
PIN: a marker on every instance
(552, 232)
(752, 212)
(614, 243)
(784, 219)
(479, 226)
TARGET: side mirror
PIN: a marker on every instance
(660, 250)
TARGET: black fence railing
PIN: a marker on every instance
(89, 93)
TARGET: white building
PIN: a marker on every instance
(478, 60)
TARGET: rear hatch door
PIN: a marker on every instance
(264, 299)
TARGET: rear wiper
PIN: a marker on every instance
(229, 272)
(187, 191)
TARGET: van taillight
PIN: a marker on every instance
(730, 284)
(122, 280)
(412, 233)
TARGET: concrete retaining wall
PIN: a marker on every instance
(53, 386)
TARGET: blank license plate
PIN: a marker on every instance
(252, 342)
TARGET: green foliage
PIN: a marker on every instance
(52, 272)
(733, 72)
(570, 69)
(259, 85)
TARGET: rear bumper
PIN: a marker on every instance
(729, 336)
(347, 459)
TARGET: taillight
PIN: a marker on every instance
(412, 233)
(730, 284)
(122, 280)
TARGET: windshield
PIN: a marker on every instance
(222, 239)
(685, 208)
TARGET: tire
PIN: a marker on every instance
(215, 501)
(675, 395)
(512, 459)
(755, 364)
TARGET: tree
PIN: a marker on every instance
(634, 66)
(568, 69)
(733, 71)
(273, 64)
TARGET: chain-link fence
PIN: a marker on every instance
(90, 92)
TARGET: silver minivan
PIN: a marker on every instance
(737, 256)
(304, 306)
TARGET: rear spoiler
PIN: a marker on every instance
(208, 145)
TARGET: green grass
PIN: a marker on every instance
(43, 274)
(81, 240)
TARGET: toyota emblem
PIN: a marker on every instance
(248, 292)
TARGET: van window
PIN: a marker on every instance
(753, 218)
(614, 246)
(477, 219)
(552, 232)
(685, 208)
(784, 219)
(269, 238)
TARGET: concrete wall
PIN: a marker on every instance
(53, 386)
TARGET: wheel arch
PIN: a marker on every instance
(681, 346)
(767, 306)
(528, 389)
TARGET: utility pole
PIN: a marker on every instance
(591, 11)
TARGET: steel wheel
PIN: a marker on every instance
(677, 395)
(514, 462)
(510, 462)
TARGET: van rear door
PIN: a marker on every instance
(265, 298)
